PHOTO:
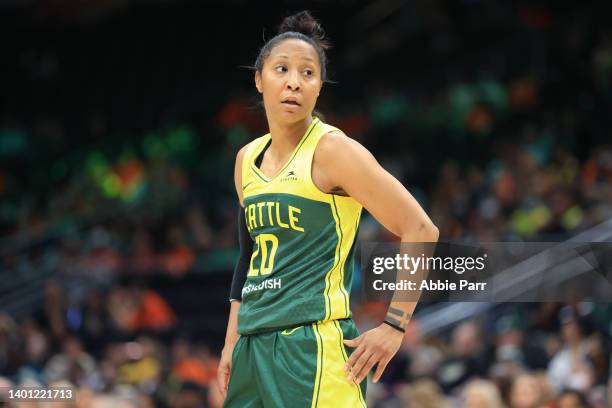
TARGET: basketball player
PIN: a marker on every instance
(290, 338)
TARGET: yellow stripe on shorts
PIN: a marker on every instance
(332, 389)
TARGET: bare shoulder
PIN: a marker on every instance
(334, 140)
(336, 147)
(241, 153)
(337, 159)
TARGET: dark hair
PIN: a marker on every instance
(300, 26)
(578, 394)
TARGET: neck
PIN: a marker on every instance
(286, 137)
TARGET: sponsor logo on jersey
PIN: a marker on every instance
(275, 283)
(290, 176)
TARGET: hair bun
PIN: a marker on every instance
(303, 22)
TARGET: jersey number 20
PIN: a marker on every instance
(266, 263)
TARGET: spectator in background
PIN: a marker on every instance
(191, 365)
(190, 395)
(572, 399)
(481, 394)
(200, 230)
(609, 391)
(466, 359)
(143, 260)
(5, 384)
(179, 257)
(598, 354)
(95, 321)
(570, 367)
(73, 364)
(511, 340)
(35, 352)
(9, 344)
(515, 352)
(527, 392)
(153, 313)
(425, 356)
(139, 309)
(53, 312)
(142, 365)
(122, 309)
(101, 261)
(423, 394)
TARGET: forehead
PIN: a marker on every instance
(294, 49)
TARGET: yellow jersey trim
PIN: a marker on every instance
(256, 169)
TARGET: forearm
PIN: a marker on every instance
(400, 310)
(231, 335)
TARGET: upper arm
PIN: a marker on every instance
(238, 174)
(349, 165)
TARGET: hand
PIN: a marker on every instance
(225, 368)
(376, 346)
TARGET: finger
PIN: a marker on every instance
(363, 373)
(355, 370)
(382, 364)
(353, 358)
(353, 342)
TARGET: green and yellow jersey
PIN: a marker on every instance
(304, 240)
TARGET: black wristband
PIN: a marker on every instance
(394, 326)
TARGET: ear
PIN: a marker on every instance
(258, 82)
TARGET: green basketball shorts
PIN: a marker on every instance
(301, 367)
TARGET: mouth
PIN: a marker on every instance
(290, 102)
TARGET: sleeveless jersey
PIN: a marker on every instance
(304, 240)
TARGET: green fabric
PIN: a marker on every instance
(278, 369)
(301, 261)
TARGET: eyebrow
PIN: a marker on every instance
(286, 57)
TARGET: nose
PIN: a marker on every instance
(293, 82)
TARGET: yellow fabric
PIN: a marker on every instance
(332, 389)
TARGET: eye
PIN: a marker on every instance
(308, 72)
(280, 68)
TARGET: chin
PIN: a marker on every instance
(289, 117)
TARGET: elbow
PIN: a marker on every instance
(434, 233)
(425, 232)
(429, 232)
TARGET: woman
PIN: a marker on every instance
(482, 394)
(301, 188)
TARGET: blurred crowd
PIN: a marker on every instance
(501, 131)
(520, 356)
(119, 348)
